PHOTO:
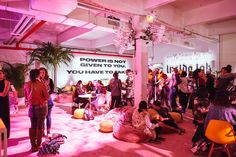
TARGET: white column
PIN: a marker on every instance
(140, 62)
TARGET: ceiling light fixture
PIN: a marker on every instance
(151, 17)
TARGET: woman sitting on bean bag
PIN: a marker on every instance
(141, 121)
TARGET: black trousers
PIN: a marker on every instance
(157, 130)
(115, 101)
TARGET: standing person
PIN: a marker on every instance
(13, 100)
(150, 86)
(210, 86)
(4, 101)
(164, 90)
(173, 85)
(115, 86)
(130, 87)
(183, 91)
(43, 73)
(36, 96)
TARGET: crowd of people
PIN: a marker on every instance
(112, 93)
(209, 97)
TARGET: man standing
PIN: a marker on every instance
(115, 86)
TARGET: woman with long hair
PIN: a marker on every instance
(222, 108)
(4, 101)
(44, 77)
(36, 96)
(141, 120)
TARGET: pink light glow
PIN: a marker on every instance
(84, 139)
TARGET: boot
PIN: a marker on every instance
(40, 133)
(32, 135)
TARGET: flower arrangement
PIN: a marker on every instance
(126, 35)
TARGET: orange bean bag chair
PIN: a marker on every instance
(154, 114)
(176, 116)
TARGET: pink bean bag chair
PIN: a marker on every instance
(123, 129)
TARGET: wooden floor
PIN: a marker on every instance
(84, 139)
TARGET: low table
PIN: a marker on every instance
(88, 96)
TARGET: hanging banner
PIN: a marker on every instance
(90, 67)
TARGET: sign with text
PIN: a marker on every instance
(88, 67)
(189, 62)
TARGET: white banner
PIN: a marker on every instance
(90, 67)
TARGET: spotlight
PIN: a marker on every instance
(150, 18)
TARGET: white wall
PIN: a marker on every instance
(228, 50)
(173, 55)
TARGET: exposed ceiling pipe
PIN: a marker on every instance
(16, 48)
(15, 30)
(35, 28)
(23, 25)
(88, 6)
(76, 52)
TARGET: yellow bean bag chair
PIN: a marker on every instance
(79, 113)
(106, 126)
(176, 116)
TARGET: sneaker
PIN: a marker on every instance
(194, 149)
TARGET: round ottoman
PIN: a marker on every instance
(79, 113)
(106, 126)
(176, 116)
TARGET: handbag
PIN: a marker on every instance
(88, 114)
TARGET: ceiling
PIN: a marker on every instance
(85, 24)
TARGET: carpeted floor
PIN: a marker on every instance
(84, 139)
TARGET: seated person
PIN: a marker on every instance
(89, 87)
(141, 120)
(103, 100)
(80, 91)
(165, 118)
(222, 109)
(200, 108)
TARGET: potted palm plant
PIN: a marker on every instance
(51, 55)
(15, 73)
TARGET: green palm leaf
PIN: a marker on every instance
(51, 55)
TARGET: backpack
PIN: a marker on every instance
(88, 114)
(52, 145)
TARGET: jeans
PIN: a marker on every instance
(37, 116)
(48, 118)
(172, 97)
